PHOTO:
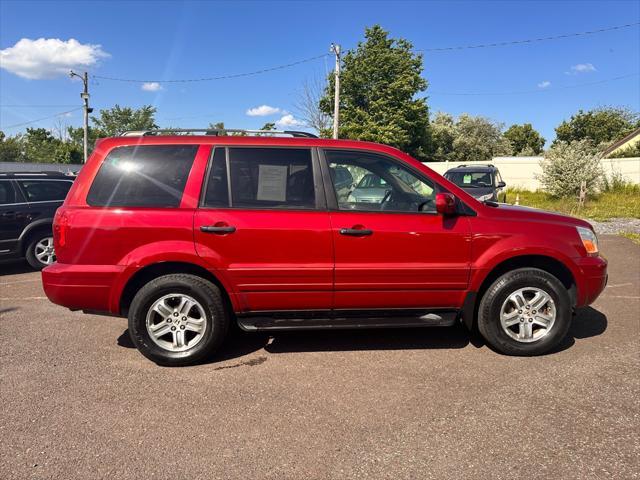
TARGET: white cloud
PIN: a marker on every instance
(544, 84)
(151, 86)
(262, 111)
(49, 57)
(289, 120)
(581, 68)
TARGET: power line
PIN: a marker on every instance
(540, 90)
(39, 119)
(221, 77)
(530, 40)
(6, 105)
(325, 55)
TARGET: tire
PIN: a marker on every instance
(39, 252)
(158, 307)
(525, 287)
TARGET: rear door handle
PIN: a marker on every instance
(356, 232)
(220, 230)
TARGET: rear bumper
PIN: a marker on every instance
(593, 279)
(81, 287)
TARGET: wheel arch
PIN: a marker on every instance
(155, 270)
(551, 265)
(34, 228)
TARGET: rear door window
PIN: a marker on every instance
(143, 176)
(279, 178)
(45, 190)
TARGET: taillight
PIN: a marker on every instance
(60, 228)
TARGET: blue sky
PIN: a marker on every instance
(173, 40)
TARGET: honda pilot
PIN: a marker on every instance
(188, 232)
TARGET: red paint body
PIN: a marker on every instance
(280, 260)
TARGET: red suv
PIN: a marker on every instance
(185, 233)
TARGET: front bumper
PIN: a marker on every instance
(593, 279)
(80, 287)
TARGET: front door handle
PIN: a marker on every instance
(356, 232)
(217, 229)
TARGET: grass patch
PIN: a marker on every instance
(634, 237)
(622, 202)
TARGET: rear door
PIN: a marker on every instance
(14, 216)
(264, 226)
(392, 250)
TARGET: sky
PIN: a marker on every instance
(542, 83)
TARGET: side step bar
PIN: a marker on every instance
(262, 323)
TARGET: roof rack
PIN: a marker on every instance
(478, 165)
(214, 132)
(44, 173)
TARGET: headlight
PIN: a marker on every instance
(485, 197)
(589, 240)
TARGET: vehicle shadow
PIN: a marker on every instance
(14, 267)
(236, 345)
(368, 339)
(587, 323)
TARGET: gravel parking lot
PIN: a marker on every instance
(78, 402)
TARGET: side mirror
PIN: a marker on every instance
(501, 184)
(445, 204)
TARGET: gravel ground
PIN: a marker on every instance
(78, 402)
(616, 225)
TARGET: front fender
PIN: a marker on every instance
(506, 248)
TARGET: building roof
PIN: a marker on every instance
(620, 143)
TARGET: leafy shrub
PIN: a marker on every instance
(567, 165)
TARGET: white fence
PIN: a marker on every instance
(520, 172)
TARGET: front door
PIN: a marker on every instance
(263, 225)
(392, 250)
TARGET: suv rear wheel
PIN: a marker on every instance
(178, 319)
(525, 312)
(40, 251)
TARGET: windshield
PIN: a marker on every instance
(372, 181)
(466, 179)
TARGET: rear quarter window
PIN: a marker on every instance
(143, 176)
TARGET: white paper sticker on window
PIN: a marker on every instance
(272, 183)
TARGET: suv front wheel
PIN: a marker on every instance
(177, 320)
(525, 312)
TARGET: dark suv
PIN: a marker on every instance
(482, 182)
(28, 202)
(187, 234)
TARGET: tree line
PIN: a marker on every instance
(383, 99)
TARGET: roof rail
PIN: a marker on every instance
(214, 132)
(43, 173)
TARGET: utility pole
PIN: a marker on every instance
(87, 110)
(335, 49)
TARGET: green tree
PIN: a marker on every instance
(467, 139)
(11, 148)
(567, 164)
(601, 126)
(39, 145)
(524, 140)
(113, 121)
(380, 81)
(443, 134)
